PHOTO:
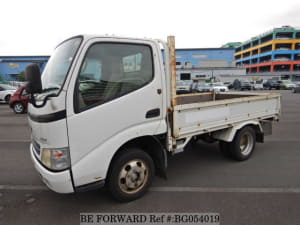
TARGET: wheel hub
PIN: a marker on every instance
(133, 176)
(246, 143)
(18, 108)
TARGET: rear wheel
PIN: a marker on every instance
(7, 98)
(18, 108)
(243, 144)
(131, 174)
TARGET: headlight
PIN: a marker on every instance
(56, 159)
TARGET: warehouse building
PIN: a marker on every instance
(12, 66)
(206, 63)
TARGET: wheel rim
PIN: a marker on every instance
(246, 143)
(18, 107)
(133, 176)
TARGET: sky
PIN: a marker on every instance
(35, 27)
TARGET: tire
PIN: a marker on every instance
(130, 175)
(243, 144)
(225, 149)
(7, 98)
(18, 108)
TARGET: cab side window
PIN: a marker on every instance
(111, 70)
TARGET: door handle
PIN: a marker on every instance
(153, 113)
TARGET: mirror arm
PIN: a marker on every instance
(33, 101)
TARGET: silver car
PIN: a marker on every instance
(203, 87)
(297, 88)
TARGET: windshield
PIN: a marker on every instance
(218, 84)
(203, 85)
(59, 64)
(180, 83)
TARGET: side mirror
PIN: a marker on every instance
(33, 76)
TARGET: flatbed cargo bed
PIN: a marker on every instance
(196, 114)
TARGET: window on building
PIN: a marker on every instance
(185, 76)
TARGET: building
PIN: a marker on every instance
(276, 52)
(204, 57)
(11, 66)
(206, 63)
(194, 63)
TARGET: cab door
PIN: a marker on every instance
(116, 97)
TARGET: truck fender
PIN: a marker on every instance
(153, 147)
(229, 133)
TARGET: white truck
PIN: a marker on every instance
(105, 112)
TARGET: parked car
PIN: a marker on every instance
(246, 85)
(219, 87)
(19, 100)
(5, 92)
(297, 88)
(287, 84)
(203, 87)
(242, 85)
(183, 87)
(228, 84)
(258, 85)
(272, 84)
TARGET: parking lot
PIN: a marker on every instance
(263, 190)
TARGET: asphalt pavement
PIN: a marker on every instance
(262, 190)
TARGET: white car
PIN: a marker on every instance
(219, 87)
(258, 85)
(183, 87)
(5, 92)
(287, 85)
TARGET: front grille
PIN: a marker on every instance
(36, 147)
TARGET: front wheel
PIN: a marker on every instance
(18, 108)
(243, 144)
(130, 175)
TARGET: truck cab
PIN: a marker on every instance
(106, 94)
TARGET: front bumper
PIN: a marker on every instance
(60, 182)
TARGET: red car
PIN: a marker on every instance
(19, 100)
